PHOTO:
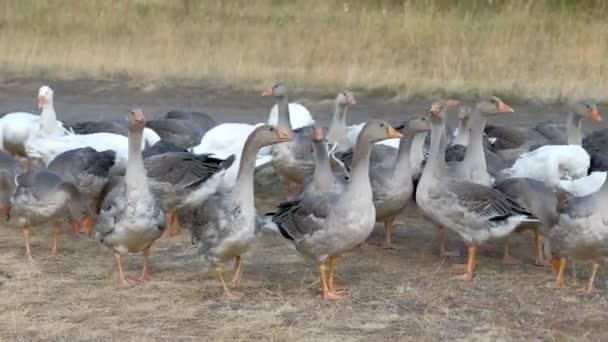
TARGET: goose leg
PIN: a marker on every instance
(388, 227)
(238, 270)
(471, 257)
(330, 282)
(175, 223)
(559, 266)
(589, 287)
(442, 239)
(122, 280)
(28, 250)
(507, 258)
(145, 272)
(228, 295)
(540, 255)
(328, 293)
(53, 252)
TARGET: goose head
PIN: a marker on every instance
(377, 130)
(345, 98)
(318, 135)
(265, 135)
(277, 90)
(136, 120)
(45, 96)
(80, 213)
(417, 124)
(493, 105)
(436, 113)
(587, 110)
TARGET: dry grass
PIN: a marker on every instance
(549, 49)
(395, 295)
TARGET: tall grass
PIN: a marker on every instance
(546, 49)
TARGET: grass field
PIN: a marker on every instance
(550, 50)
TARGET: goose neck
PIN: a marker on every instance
(244, 180)
(417, 149)
(283, 120)
(322, 176)
(136, 174)
(48, 118)
(403, 163)
(474, 152)
(337, 129)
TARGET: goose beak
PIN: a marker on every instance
(503, 108)
(267, 92)
(351, 100)
(41, 101)
(282, 135)
(138, 116)
(318, 135)
(392, 133)
(595, 116)
(87, 223)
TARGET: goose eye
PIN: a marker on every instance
(272, 129)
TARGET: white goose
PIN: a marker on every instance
(17, 127)
(563, 166)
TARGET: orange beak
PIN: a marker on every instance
(41, 101)
(318, 135)
(434, 111)
(392, 133)
(267, 92)
(138, 116)
(283, 136)
(351, 100)
(87, 223)
(503, 108)
(595, 116)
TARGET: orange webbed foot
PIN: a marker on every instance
(464, 277)
(332, 295)
(232, 295)
(509, 260)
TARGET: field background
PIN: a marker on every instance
(552, 50)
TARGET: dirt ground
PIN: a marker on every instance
(402, 294)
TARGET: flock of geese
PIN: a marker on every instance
(128, 180)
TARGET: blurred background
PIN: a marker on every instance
(551, 50)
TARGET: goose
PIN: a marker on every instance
(323, 180)
(42, 196)
(537, 198)
(224, 226)
(9, 169)
(88, 170)
(47, 148)
(581, 232)
(176, 131)
(513, 141)
(474, 167)
(203, 120)
(181, 179)
(16, 128)
(475, 211)
(115, 127)
(162, 147)
(337, 135)
(131, 217)
(322, 227)
(392, 180)
(294, 160)
(229, 139)
(298, 114)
